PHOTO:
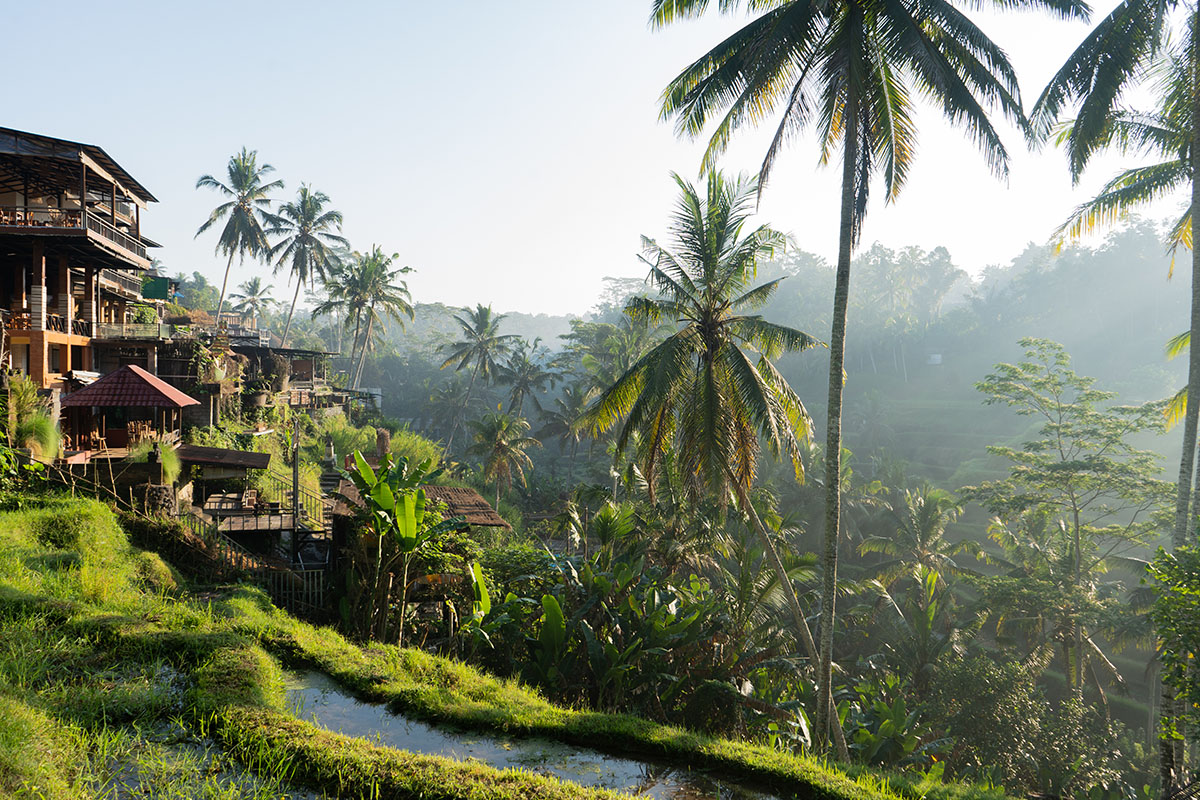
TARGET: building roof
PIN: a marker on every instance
(222, 457)
(23, 144)
(129, 386)
(465, 503)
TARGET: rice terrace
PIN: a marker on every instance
(657, 398)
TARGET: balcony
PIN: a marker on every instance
(129, 285)
(141, 332)
(41, 219)
(105, 231)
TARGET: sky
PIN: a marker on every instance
(510, 152)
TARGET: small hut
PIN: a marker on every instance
(122, 408)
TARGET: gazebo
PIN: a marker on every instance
(137, 404)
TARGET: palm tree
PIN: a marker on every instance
(1132, 41)
(562, 420)
(500, 442)
(253, 299)
(525, 374)
(378, 292)
(709, 391)
(917, 543)
(247, 207)
(308, 235)
(848, 68)
(481, 346)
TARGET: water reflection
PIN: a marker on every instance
(315, 698)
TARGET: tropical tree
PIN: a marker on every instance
(481, 348)
(308, 231)
(526, 375)
(916, 540)
(848, 68)
(1077, 498)
(1134, 41)
(377, 291)
(562, 420)
(244, 211)
(709, 394)
(501, 442)
(252, 298)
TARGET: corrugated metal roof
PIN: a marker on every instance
(465, 503)
(129, 386)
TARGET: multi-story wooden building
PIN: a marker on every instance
(71, 251)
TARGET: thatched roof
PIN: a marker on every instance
(465, 503)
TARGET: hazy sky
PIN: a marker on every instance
(509, 151)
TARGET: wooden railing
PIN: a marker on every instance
(119, 238)
(109, 330)
(129, 283)
(314, 509)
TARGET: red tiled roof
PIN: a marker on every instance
(130, 386)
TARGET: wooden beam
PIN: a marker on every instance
(103, 173)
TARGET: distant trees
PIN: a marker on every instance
(252, 298)
(244, 212)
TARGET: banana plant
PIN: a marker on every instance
(395, 506)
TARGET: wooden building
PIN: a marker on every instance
(71, 252)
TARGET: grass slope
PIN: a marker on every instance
(97, 636)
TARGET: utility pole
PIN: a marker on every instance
(295, 487)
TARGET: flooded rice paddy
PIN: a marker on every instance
(315, 698)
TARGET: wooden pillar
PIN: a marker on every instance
(37, 289)
(66, 301)
(112, 207)
(20, 299)
(88, 312)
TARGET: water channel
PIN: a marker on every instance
(315, 698)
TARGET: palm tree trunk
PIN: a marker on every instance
(292, 310)
(354, 342)
(362, 354)
(827, 720)
(1171, 750)
(804, 633)
(466, 400)
(224, 284)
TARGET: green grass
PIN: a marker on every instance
(101, 640)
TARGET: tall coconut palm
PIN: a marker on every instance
(1131, 42)
(526, 376)
(252, 298)
(500, 442)
(244, 212)
(849, 69)
(709, 393)
(377, 292)
(481, 347)
(309, 238)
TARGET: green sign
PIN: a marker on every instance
(156, 288)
